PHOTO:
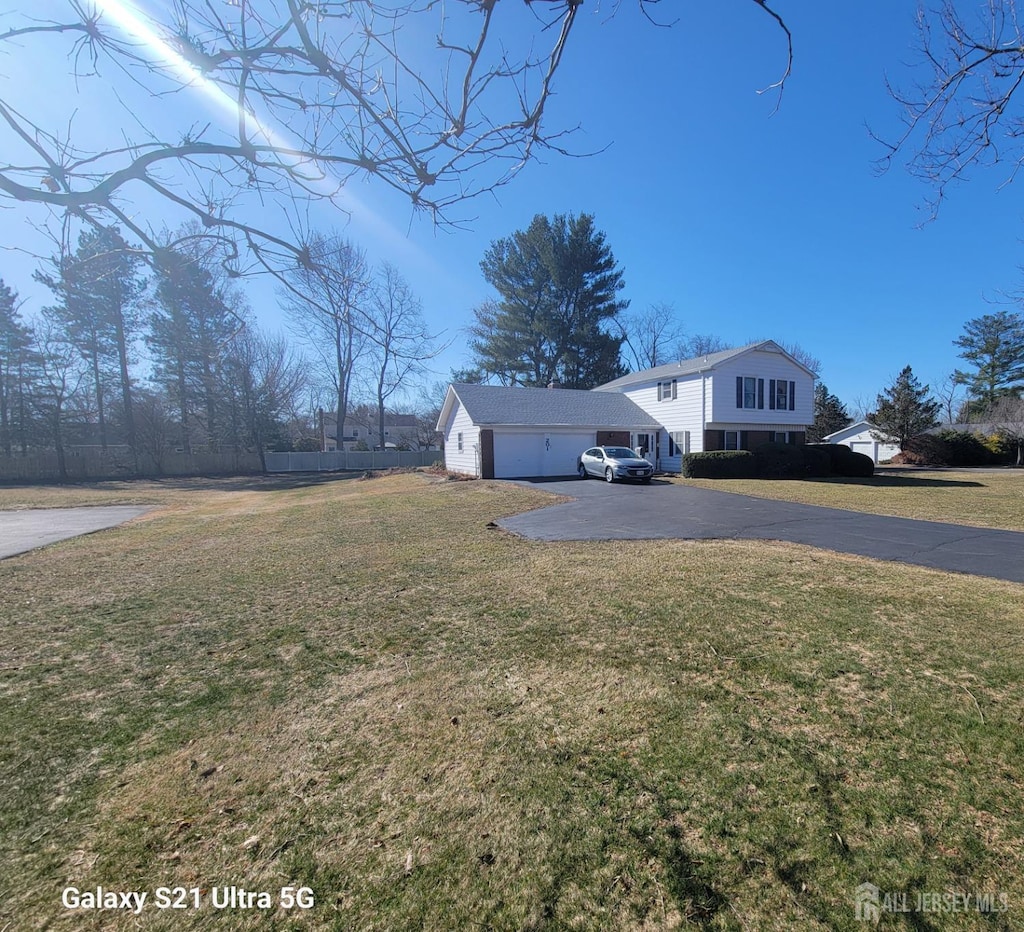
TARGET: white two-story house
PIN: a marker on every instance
(732, 400)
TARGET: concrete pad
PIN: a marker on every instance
(664, 510)
(35, 527)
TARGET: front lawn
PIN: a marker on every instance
(363, 689)
(978, 498)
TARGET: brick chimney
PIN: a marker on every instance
(554, 383)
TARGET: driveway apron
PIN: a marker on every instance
(666, 511)
(34, 527)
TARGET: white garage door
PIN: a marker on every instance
(562, 452)
(548, 453)
(867, 447)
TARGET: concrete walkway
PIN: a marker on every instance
(35, 527)
(665, 510)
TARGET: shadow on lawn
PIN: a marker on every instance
(271, 482)
(903, 482)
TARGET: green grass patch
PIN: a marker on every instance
(979, 499)
(362, 688)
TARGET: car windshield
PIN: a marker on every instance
(620, 453)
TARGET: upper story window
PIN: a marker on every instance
(666, 390)
(781, 395)
(749, 392)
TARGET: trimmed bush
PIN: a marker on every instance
(720, 464)
(845, 462)
(855, 466)
(790, 461)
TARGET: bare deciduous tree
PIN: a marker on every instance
(651, 337)
(948, 391)
(965, 111)
(703, 344)
(61, 376)
(309, 94)
(399, 342)
(327, 301)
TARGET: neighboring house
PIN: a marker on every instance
(400, 430)
(858, 437)
(732, 400)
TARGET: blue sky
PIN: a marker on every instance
(751, 223)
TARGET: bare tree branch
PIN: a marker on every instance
(314, 93)
(965, 113)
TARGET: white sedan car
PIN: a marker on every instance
(611, 463)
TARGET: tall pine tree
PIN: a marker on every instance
(558, 285)
(98, 289)
(15, 341)
(830, 414)
(994, 345)
(191, 328)
(904, 410)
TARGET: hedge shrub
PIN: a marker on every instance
(845, 462)
(720, 464)
(791, 461)
(779, 461)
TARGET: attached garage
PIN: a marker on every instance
(523, 433)
(539, 453)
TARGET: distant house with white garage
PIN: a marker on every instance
(858, 437)
(732, 400)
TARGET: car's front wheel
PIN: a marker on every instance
(582, 470)
(609, 475)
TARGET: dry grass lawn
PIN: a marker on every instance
(981, 498)
(361, 688)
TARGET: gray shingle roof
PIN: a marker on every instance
(683, 366)
(555, 407)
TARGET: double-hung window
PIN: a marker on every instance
(749, 392)
(781, 395)
(732, 439)
(678, 442)
(460, 441)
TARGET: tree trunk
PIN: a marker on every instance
(186, 440)
(126, 386)
(98, 383)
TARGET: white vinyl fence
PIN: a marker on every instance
(355, 460)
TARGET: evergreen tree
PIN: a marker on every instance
(994, 345)
(830, 414)
(557, 285)
(904, 410)
(15, 340)
(98, 289)
(196, 317)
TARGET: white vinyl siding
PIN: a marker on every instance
(760, 365)
(463, 460)
(676, 415)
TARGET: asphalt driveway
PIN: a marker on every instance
(664, 510)
(36, 527)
